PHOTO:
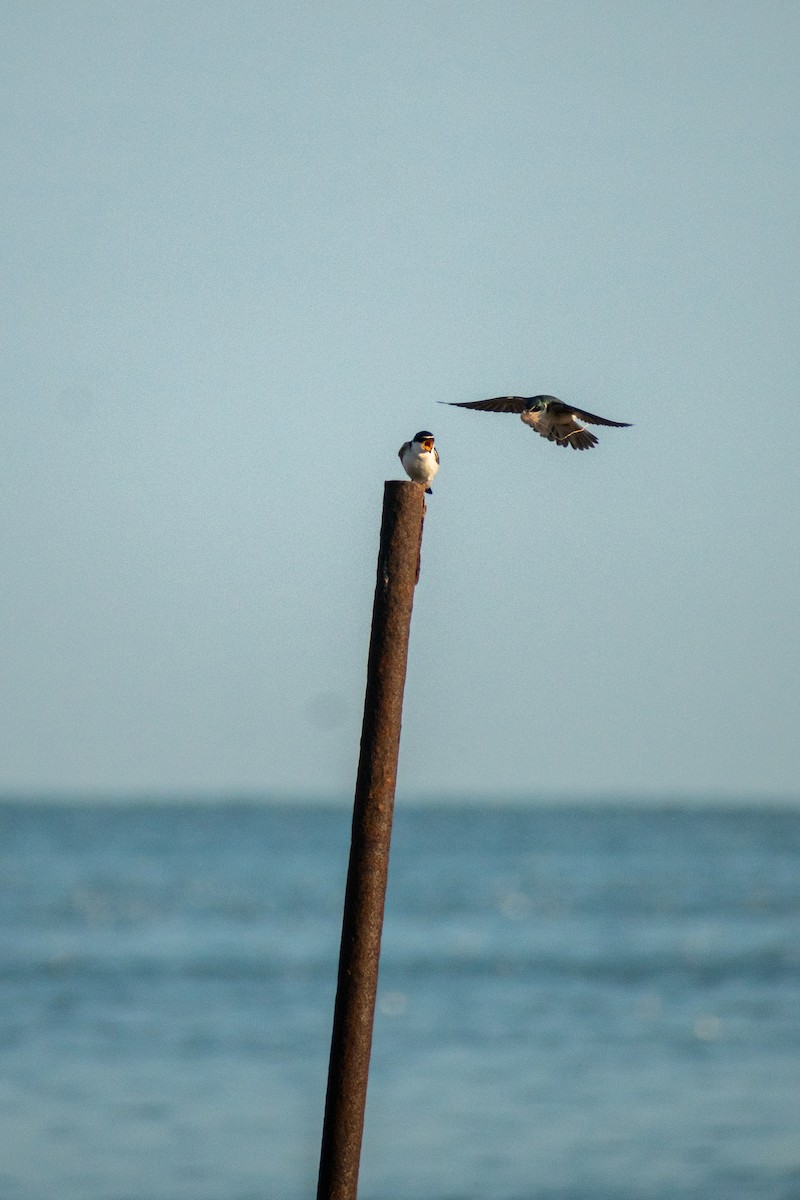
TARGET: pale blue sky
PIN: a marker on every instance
(247, 249)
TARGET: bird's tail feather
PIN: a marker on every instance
(579, 439)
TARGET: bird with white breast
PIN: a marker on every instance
(420, 459)
(548, 416)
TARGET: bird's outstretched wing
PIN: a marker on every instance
(502, 404)
(590, 418)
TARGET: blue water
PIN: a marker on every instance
(575, 1004)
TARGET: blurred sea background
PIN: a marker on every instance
(575, 1002)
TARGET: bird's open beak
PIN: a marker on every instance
(427, 444)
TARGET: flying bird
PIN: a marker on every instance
(549, 417)
(420, 458)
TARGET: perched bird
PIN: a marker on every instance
(420, 458)
(549, 417)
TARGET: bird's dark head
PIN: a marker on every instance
(536, 403)
(424, 438)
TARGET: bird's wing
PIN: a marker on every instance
(502, 404)
(582, 415)
(436, 455)
(405, 446)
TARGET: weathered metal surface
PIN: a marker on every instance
(351, 1042)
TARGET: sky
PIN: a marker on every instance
(249, 248)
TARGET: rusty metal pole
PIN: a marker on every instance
(351, 1041)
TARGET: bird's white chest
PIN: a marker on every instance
(536, 420)
(420, 465)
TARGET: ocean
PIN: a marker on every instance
(575, 1003)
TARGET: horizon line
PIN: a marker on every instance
(251, 797)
